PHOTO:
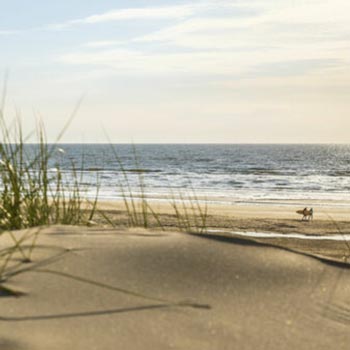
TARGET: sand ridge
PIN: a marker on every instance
(173, 290)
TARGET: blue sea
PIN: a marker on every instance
(222, 173)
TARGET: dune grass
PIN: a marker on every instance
(138, 208)
(32, 194)
(190, 213)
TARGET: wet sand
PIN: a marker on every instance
(134, 289)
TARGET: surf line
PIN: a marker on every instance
(335, 237)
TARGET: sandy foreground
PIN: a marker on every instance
(95, 288)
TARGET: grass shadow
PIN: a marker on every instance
(96, 313)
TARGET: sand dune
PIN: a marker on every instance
(103, 289)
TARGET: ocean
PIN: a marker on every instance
(220, 173)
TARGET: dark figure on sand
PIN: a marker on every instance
(308, 214)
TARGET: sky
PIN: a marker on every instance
(207, 71)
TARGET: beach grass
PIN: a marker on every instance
(190, 213)
(32, 194)
(138, 209)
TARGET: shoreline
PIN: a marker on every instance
(322, 212)
(228, 200)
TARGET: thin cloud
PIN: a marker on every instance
(314, 20)
(101, 44)
(127, 61)
(226, 42)
(146, 13)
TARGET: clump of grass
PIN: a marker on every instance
(138, 209)
(31, 194)
(191, 214)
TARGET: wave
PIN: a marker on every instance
(140, 170)
(339, 173)
(261, 171)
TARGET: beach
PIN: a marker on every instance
(108, 288)
(177, 254)
(175, 175)
(243, 221)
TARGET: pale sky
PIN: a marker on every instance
(180, 71)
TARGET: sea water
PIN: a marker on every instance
(225, 173)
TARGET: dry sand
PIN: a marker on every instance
(107, 289)
(262, 218)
